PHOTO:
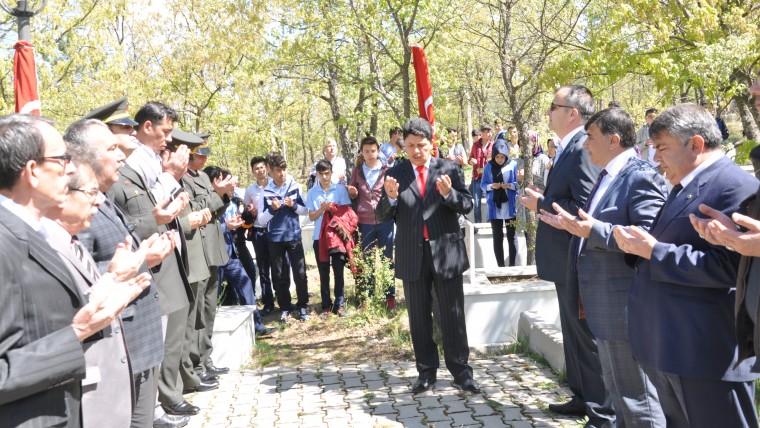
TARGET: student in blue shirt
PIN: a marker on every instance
(320, 199)
(283, 203)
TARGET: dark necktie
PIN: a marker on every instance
(85, 258)
(586, 207)
(421, 184)
(671, 196)
(591, 195)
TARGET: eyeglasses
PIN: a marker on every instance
(62, 160)
(553, 106)
(91, 193)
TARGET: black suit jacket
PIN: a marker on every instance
(41, 360)
(569, 183)
(439, 214)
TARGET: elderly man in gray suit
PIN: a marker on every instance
(45, 315)
(568, 185)
(628, 191)
(107, 387)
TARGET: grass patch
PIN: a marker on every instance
(494, 405)
(367, 334)
(547, 386)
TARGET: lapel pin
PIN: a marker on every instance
(137, 192)
(688, 196)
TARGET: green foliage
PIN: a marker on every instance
(286, 74)
(742, 152)
(374, 276)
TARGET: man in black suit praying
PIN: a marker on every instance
(424, 195)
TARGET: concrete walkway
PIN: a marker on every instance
(516, 394)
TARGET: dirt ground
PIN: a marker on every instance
(369, 334)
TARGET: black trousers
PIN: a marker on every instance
(497, 227)
(450, 297)
(338, 261)
(280, 277)
(261, 248)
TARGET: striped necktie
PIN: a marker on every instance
(85, 258)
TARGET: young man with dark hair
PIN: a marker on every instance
(283, 203)
(367, 185)
(480, 153)
(323, 199)
(254, 203)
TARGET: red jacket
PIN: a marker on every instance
(482, 155)
(343, 218)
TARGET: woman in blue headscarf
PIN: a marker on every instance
(500, 185)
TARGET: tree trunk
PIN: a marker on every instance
(468, 131)
(749, 124)
(373, 118)
(305, 162)
(407, 83)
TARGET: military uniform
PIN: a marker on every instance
(203, 196)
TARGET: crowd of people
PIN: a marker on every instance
(117, 237)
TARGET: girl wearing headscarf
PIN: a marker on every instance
(500, 186)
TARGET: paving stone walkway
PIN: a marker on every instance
(516, 394)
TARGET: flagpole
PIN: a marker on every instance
(24, 11)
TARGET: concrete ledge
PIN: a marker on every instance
(492, 311)
(543, 337)
(234, 336)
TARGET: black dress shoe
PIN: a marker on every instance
(266, 331)
(209, 377)
(171, 421)
(183, 409)
(422, 385)
(202, 387)
(218, 370)
(574, 407)
(468, 385)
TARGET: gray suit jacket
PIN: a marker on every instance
(136, 202)
(569, 182)
(41, 360)
(142, 318)
(438, 214)
(634, 197)
(107, 387)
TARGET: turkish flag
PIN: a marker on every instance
(424, 89)
(25, 79)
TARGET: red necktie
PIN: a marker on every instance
(421, 184)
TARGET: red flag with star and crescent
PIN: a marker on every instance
(424, 90)
(25, 79)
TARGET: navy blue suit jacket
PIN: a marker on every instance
(681, 303)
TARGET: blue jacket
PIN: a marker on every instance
(510, 176)
(284, 224)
